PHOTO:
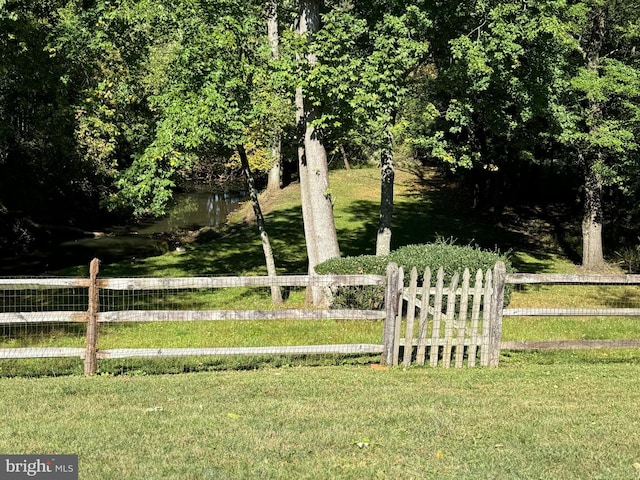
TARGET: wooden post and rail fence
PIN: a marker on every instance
(425, 321)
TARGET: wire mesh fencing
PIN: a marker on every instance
(41, 313)
(197, 318)
(558, 311)
(175, 324)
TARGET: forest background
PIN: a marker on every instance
(107, 108)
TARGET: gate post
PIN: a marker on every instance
(91, 356)
(391, 306)
(495, 332)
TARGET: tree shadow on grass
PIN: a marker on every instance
(233, 250)
(433, 211)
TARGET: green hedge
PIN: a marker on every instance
(367, 298)
(452, 258)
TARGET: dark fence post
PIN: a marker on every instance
(495, 332)
(391, 305)
(90, 356)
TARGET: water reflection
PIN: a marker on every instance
(194, 210)
(190, 211)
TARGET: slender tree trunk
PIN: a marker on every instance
(317, 207)
(345, 158)
(274, 179)
(387, 171)
(276, 295)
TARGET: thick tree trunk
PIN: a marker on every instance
(276, 295)
(317, 206)
(307, 214)
(326, 237)
(592, 252)
(387, 174)
(274, 179)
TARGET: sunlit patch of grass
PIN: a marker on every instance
(348, 422)
(575, 296)
(526, 261)
(253, 333)
(570, 328)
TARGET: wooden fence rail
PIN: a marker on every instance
(93, 317)
(420, 321)
(427, 321)
(570, 279)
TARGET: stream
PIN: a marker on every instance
(190, 211)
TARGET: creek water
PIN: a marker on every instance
(189, 211)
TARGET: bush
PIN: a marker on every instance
(363, 264)
(452, 258)
(368, 298)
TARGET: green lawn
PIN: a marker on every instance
(351, 422)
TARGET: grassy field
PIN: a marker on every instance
(563, 414)
(525, 421)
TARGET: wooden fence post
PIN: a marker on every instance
(499, 275)
(411, 316)
(90, 356)
(391, 305)
(397, 335)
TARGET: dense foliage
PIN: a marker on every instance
(111, 105)
(452, 258)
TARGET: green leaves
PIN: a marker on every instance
(365, 60)
(211, 90)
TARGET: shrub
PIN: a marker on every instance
(368, 298)
(452, 258)
(363, 264)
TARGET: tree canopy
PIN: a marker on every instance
(111, 105)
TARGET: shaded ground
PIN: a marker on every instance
(427, 207)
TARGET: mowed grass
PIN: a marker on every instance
(351, 422)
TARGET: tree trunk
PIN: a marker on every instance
(307, 215)
(276, 295)
(274, 179)
(345, 158)
(592, 253)
(317, 206)
(387, 174)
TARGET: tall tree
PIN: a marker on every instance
(317, 207)
(367, 58)
(512, 76)
(600, 108)
(211, 102)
